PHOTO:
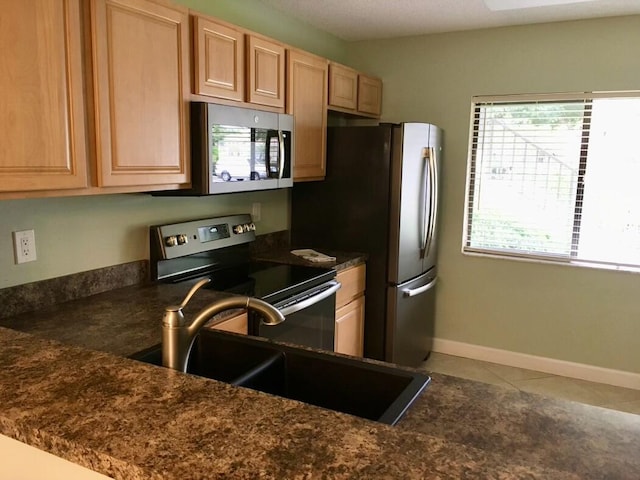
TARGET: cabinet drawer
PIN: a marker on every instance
(353, 282)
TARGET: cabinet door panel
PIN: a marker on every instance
(343, 87)
(141, 92)
(42, 133)
(353, 284)
(349, 336)
(265, 71)
(307, 101)
(369, 95)
(219, 60)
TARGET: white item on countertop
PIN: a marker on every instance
(313, 256)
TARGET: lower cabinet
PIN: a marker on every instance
(349, 335)
(236, 324)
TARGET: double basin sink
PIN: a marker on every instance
(369, 390)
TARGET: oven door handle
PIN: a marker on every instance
(333, 287)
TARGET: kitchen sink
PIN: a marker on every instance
(369, 390)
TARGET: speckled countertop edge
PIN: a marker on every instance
(130, 420)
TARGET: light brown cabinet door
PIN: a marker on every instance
(42, 113)
(141, 90)
(369, 95)
(218, 60)
(343, 87)
(353, 282)
(236, 324)
(349, 335)
(307, 101)
(265, 72)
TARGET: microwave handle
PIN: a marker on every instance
(280, 154)
(271, 134)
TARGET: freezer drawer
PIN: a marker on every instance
(410, 320)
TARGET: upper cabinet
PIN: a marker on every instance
(233, 64)
(353, 92)
(343, 87)
(95, 94)
(369, 95)
(42, 129)
(218, 59)
(265, 72)
(307, 77)
(141, 92)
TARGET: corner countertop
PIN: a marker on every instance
(343, 260)
(66, 388)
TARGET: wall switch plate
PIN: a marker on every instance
(24, 246)
(256, 212)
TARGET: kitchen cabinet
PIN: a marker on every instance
(343, 87)
(236, 324)
(231, 63)
(42, 129)
(369, 95)
(141, 92)
(307, 77)
(349, 334)
(353, 92)
(265, 72)
(219, 59)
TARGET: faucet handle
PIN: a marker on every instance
(173, 316)
(193, 290)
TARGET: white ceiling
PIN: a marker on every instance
(371, 19)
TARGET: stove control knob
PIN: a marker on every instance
(238, 229)
(182, 239)
(171, 241)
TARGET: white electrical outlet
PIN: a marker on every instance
(24, 246)
(256, 212)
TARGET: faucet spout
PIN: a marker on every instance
(178, 335)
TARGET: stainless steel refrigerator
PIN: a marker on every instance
(380, 197)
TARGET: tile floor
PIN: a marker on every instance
(601, 395)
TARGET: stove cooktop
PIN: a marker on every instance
(269, 281)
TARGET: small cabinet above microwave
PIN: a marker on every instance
(237, 149)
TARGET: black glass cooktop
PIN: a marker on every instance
(269, 281)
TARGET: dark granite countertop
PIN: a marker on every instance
(66, 389)
(343, 260)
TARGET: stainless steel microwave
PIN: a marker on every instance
(237, 149)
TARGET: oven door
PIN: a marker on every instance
(310, 318)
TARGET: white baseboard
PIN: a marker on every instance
(563, 368)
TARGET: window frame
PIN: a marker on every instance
(538, 257)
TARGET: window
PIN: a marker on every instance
(555, 177)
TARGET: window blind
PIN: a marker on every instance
(553, 177)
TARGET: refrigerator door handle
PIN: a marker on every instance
(425, 223)
(433, 192)
(412, 292)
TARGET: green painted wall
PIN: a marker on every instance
(575, 314)
(82, 233)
